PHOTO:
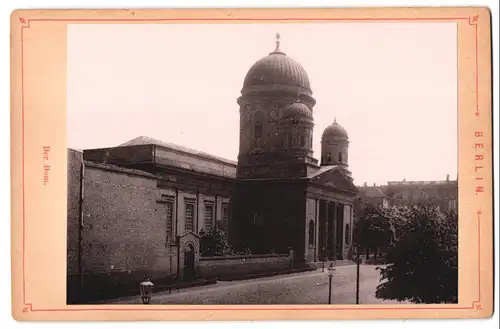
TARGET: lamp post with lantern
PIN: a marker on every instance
(330, 276)
(357, 251)
(146, 290)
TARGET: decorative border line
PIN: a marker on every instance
(473, 22)
(28, 307)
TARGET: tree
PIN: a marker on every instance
(423, 257)
(372, 231)
(214, 243)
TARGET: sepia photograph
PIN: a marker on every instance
(293, 163)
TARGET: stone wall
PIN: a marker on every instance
(311, 217)
(122, 229)
(75, 159)
(347, 230)
(123, 232)
(269, 216)
(240, 266)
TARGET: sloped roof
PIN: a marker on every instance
(111, 167)
(144, 140)
(321, 170)
(334, 177)
(372, 192)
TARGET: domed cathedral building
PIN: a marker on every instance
(143, 206)
(285, 198)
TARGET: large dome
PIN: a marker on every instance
(277, 69)
(334, 132)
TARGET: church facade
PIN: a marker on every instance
(140, 206)
(285, 198)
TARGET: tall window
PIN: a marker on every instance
(328, 157)
(295, 139)
(258, 124)
(302, 141)
(347, 234)
(209, 217)
(258, 130)
(189, 216)
(225, 217)
(340, 156)
(169, 206)
(311, 233)
(290, 139)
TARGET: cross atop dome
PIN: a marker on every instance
(277, 50)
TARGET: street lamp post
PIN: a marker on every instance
(357, 275)
(330, 276)
(146, 290)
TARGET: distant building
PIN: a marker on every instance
(442, 194)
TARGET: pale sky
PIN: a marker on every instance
(392, 86)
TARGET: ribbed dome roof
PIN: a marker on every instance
(334, 131)
(277, 69)
(298, 111)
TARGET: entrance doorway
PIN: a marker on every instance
(189, 270)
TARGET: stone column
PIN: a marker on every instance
(334, 231)
(342, 231)
(341, 228)
(325, 233)
(316, 231)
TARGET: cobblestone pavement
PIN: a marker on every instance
(301, 288)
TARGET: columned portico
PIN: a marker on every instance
(331, 231)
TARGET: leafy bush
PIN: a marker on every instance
(214, 243)
(373, 230)
(422, 258)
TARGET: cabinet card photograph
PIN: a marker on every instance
(252, 164)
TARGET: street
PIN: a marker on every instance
(301, 288)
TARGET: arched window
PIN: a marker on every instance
(258, 130)
(295, 139)
(340, 156)
(259, 118)
(347, 234)
(311, 233)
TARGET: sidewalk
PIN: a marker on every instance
(229, 287)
